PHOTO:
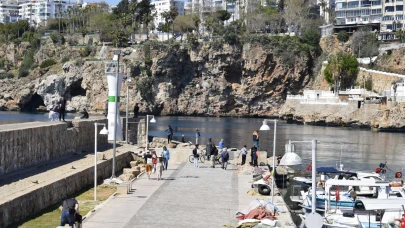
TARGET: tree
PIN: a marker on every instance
(323, 4)
(123, 7)
(343, 36)
(341, 70)
(223, 15)
(394, 87)
(184, 24)
(146, 14)
(169, 17)
(84, 32)
(296, 15)
(400, 35)
(197, 22)
(365, 43)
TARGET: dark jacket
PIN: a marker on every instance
(195, 153)
(225, 156)
(209, 148)
(136, 110)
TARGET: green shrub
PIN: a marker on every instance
(47, 63)
(54, 37)
(85, 52)
(64, 59)
(6, 75)
(144, 86)
(23, 72)
(342, 36)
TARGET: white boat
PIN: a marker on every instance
(367, 213)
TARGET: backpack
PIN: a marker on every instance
(214, 151)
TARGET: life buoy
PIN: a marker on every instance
(398, 175)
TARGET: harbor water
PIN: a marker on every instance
(356, 149)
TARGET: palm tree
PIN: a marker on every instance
(323, 4)
(336, 67)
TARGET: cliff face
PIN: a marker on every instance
(213, 79)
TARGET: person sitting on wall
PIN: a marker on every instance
(85, 114)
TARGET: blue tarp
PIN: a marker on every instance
(332, 170)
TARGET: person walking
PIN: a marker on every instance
(62, 109)
(136, 110)
(224, 158)
(221, 145)
(208, 148)
(182, 139)
(253, 154)
(148, 164)
(70, 207)
(197, 136)
(159, 167)
(256, 138)
(214, 154)
(166, 154)
(170, 133)
(195, 153)
(154, 161)
(243, 152)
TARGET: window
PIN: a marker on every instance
(399, 8)
(399, 17)
(376, 3)
(376, 11)
(388, 18)
(353, 5)
(389, 9)
(365, 12)
(364, 18)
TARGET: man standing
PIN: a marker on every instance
(224, 158)
(243, 152)
(254, 156)
(197, 136)
(62, 109)
(170, 133)
(221, 145)
(69, 209)
(214, 154)
(210, 146)
(166, 154)
(136, 110)
(195, 153)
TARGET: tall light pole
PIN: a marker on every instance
(126, 120)
(116, 58)
(104, 131)
(147, 128)
(266, 127)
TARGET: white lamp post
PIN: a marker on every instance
(126, 122)
(104, 131)
(147, 128)
(266, 127)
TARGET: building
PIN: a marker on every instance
(9, 11)
(164, 6)
(38, 11)
(188, 8)
(384, 15)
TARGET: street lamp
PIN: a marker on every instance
(266, 127)
(147, 128)
(126, 121)
(104, 131)
(116, 58)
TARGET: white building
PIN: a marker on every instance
(164, 6)
(9, 11)
(38, 11)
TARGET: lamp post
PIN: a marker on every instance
(126, 120)
(104, 131)
(116, 58)
(147, 128)
(266, 127)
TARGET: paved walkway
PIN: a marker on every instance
(187, 197)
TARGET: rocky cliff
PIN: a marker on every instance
(211, 79)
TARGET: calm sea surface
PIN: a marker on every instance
(358, 149)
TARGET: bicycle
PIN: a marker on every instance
(201, 158)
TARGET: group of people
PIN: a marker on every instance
(212, 152)
(58, 110)
(156, 163)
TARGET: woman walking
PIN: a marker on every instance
(195, 153)
(166, 155)
(159, 167)
(256, 138)
(154, 161)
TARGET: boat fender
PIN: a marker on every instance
(348, 214)
(398, 175)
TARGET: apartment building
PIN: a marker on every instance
(38, 11)
(387, 14)
(164, 6)
(9, 11)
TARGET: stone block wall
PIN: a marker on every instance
(42, 197)
(381, 82)
(24, 147)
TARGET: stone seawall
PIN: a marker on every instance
(26, 144)
(380, 82)
(23, 204)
